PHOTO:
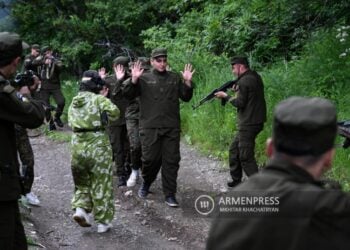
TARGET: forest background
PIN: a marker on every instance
(299, 47)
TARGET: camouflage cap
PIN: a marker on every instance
(11, 46)
(145, 62)
(304, 126)
(123, 60)
(159, 52)
(239, 60)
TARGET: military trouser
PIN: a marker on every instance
(12, 235)
(161, 148)
(92, 175)
(132, 126)
(120, 147)
(26, 155)
(241, 152)
(58, 98)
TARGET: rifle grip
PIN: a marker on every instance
(223, 101)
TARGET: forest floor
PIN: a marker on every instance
(138, 223)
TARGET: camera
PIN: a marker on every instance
(24, 79)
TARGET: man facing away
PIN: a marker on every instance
(309, 216)
(159, 91)
(251, 115)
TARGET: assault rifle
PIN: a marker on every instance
(344, 131)
(24, 79)
(211, 95)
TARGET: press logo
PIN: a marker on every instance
(204, 204)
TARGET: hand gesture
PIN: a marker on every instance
(187, 74)
(136, 72)
(119, 71)
(102, 72)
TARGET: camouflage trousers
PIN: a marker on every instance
(132, 126)
(92, 175)
(26, 155)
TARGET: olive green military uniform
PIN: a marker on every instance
(14, 109)
(309, 216)
(33, 63)
(92, 155)
(117, 129)
(26, 155)
(28, 114)
(51, 86)
(159, 94)
(132, 115)
(251, 110)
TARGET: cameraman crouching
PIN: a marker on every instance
(14, 109)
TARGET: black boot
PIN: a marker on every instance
(58, 122)
(52, 126)
(121, 181)
(233, 183)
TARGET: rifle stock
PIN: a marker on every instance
(211, 95)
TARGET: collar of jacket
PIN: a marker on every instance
(294, 171)
(156, 72)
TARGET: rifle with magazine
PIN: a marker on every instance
(211, 95)
(344, 131)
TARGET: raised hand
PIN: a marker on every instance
(119, 71)
(136, 72)
(187, 74)
(102, 72)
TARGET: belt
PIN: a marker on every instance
(84, 130)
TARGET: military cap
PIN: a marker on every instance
(239, 60)
(159, 52)
(145, 62)
(304, 126)
(123, 60)
(35, 46)
(11, 46)
(45, 49)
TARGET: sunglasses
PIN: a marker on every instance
(161, 60)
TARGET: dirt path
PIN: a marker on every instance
(138, 224)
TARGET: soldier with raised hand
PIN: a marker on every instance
(132, 117)
(307, 215)
(15, 108)
(159, 91)
(117, 129)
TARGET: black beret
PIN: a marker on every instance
(91, 81)
(11, 46)
(159, 52)
(304, 126)
(239, 60)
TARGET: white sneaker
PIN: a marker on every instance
(102, 228)
(133, 178)
(81, 217)
(32, 199)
